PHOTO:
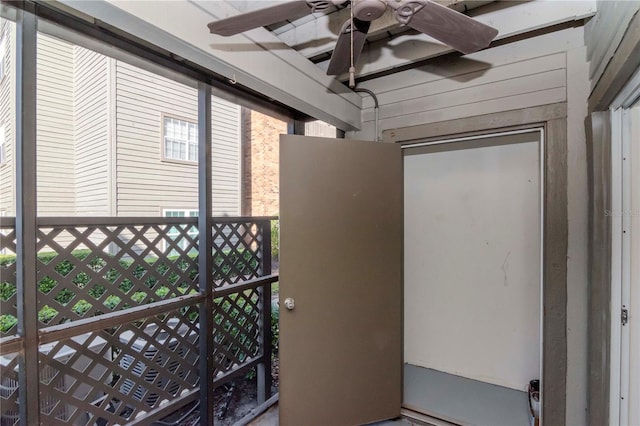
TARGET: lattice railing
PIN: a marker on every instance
(9, 389)
(239, 256)
(141, 276)
(8, 293)
(93, 269)
(114, 375)
(238, 333)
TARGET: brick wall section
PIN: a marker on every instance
(260, 163)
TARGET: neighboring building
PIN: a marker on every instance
(114, 139)
(117, 140)
(260, 160)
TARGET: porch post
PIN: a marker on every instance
(296, 127)
(26, 211)
(204, 258)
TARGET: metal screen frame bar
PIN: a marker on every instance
(264, 368)
(26, 212)
(205, 264)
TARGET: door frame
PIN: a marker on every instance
(553, 120)
(621, 216)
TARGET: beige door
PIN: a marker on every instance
(341, 265)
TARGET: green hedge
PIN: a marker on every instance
(275, 239)
(81, 307)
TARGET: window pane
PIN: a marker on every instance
(180, 133)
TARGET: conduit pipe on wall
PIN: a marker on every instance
(375, 109)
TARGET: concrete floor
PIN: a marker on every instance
(270, 418)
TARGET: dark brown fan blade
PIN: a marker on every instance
(259, 18)
(453, 28)
(341, 56)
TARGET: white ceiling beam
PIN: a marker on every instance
(518, 18)
(255, 59)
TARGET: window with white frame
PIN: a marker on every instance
(3, 147)
(174, 233)
(180, 139)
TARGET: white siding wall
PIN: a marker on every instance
(543, 70)
(7, 118)
(145, 183)
(226, 145)
(604, 33)
(55, 132)
(519, 75)
(91, 92)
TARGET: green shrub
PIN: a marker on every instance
(46, 314)
(224, 264)
(275, 239)
(275, 328)
(7, 290)
(7, 322)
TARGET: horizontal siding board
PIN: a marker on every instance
(55, 130)
(146, 184)
(92, 139)
(529, 85)
(526, 100)
(469, 79)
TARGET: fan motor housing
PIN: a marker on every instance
(368, 10)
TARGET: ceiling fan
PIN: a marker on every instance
(446, 25)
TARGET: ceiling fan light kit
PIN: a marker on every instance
(453, 28)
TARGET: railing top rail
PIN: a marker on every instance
(122, 220)
(7, 222)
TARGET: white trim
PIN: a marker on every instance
(189, 140)
(634, 298)
(624, 237)
(616, 265)
(470, 138)
(542, 217)
(630, 94)
(625, 286)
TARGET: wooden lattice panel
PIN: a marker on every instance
(119, 374)
(8, 291)
(9, 389)
(90, 270)
(236, 330)
(237, 252)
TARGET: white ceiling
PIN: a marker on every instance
(277, 61)
(390, 45)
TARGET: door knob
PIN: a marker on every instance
(289, 303)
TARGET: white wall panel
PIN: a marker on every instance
(472, 260)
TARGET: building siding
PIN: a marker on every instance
(91, 92)
(7, 119)
(142, 99)
(99, 137)
(55, 128)
(226, 157)
(523, 74)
